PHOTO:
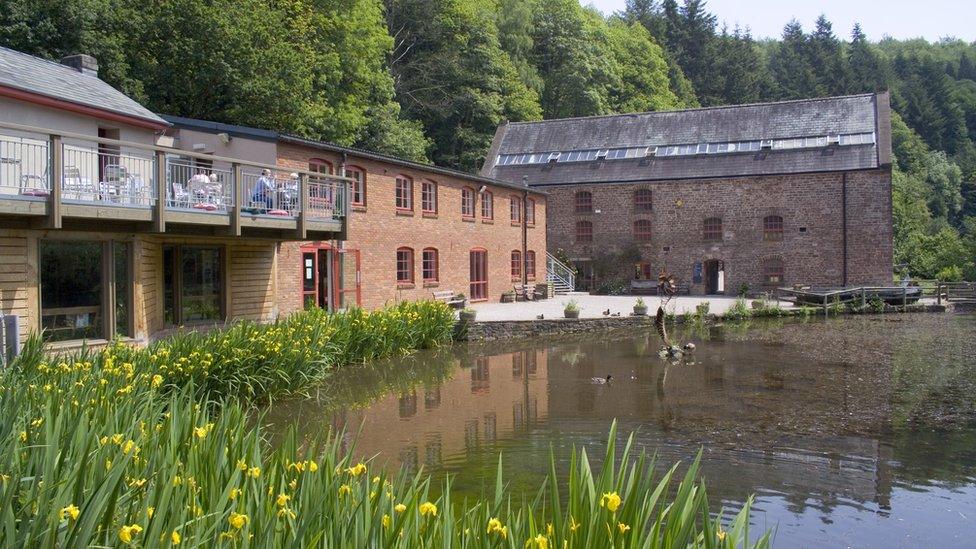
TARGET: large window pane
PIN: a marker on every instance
(200, 292)
(120, 254)
(71, 290)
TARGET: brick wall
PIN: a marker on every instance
(811, 248)
(378, 229)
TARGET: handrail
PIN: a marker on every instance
(559, 271)
(168, 150)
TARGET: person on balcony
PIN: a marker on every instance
(264, 190)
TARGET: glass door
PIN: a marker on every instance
(348, 275)
(479, 275)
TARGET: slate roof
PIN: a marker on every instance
(853, 114)
(51, 79)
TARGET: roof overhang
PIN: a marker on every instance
(47, 101)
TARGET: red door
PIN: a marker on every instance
(479, 275)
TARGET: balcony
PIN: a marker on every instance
(64, 180)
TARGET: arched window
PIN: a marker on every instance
(584, 231)
(516, 265)
(773, 271)
(320, 165)
(584, 202)
(530, 264)
(487, 205)
(642, 230)
(516, 208)
(428, 265)
(358, 175)
(642, 200)
(404, 193)
(530, 212)
(404, 266)
(712, 229)
(428, 196)
(467, 202)
(772, 228)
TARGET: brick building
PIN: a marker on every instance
(762, 195)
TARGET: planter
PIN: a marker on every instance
(640, 311)
(508, 297)
(571, 314)
(467, 316)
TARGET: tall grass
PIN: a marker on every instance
(151, 448)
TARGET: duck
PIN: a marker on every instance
(615, 314)
(540, 317)
(606, 313)
(601, 380)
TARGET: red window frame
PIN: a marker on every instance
(644, 271)
(642, 230)
(773, 271)
(487, 205)
(404, 265)
(530, 212)
(404, 193)
(530, 264)
(429, 267)
(358, 186)
(317, 164)
(467, 203)
(773, 228)
(516, 265)
(643, 200)
(584, 231)
(584, 202)
(712, 229)
(428, 196)
(515, 212)
(478, 264)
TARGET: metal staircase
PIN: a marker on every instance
(562, 277)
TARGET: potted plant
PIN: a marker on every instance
(640, 308)
(572, 309)
(508, 297)
(461, 301)
(467, 315)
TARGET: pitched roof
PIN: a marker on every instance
(53, 80)
(855, 114)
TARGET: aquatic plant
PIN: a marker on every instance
(738, 311)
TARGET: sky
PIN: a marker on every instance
(930, 19)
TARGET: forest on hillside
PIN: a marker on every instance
(430, 80)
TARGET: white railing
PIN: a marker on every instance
(103, 174)
(325, 199)
(198, 187)
(559, 273)
(25, 166)
(270, 192)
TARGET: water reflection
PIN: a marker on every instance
(856, 431)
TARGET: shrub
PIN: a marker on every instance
(738, 311)
(572, 306)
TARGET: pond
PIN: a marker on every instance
(854, 431)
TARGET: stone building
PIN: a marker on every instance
(726, 198)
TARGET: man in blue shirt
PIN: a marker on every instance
(264, 190)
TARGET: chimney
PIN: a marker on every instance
(85, 64)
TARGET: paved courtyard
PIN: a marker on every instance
(593, 306)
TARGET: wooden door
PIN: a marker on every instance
(479, 275)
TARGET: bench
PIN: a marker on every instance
(524, 292)
(447, 296)
(649, 287)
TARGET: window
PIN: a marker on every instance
(643, 271)
(77, 298)
(467, 202)
(584, 202)
(404, 266)
(642, 200)
(773, 271)
(319, 165)
(516, 209)
(712, 229)
(404, 193)
(772, 228)
(516, 265)
(642, 230)
(584, 231)
(428, 265)
(530, 212)
(358, 175)
(487, 205)
(193, 282)
(428, 196)
(530, 264)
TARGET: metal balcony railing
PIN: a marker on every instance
(64, 168)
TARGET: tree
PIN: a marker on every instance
(867, 72)
(827, 59)
(515, 28)
(790, 65)
(739, 72)
(967, 69)
(643, 83)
